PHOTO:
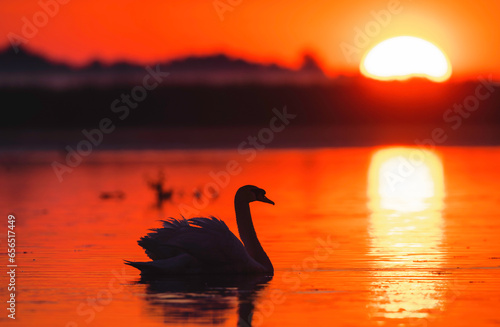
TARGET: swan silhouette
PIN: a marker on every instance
(206, 245)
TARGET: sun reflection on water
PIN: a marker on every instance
(406, 192)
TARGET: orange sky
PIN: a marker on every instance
(264, 31)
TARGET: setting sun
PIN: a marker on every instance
(404, 57)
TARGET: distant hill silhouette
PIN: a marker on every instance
(214, 68)
(25, 61)
(218, 62)
(216, 92)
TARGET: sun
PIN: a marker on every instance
(404, 57)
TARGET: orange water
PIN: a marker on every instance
(422, 252)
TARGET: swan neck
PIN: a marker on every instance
(248, 234)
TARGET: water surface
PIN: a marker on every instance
(358, 237)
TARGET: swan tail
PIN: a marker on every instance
(177, 265)
(138, 265)
(147, 268)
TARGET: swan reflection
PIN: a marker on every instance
(406, 192)
(202, 300)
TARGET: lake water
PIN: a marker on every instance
(358, 237)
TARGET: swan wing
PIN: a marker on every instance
(156, 244)
(209, 240)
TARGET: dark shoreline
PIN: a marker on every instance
(126, 138)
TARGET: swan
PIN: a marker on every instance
(206, 245)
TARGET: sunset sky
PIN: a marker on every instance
(264, 31)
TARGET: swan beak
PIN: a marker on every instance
(266, 200)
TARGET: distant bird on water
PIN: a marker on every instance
(206, 245)
(162, 194)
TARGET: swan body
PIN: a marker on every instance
(206, 245)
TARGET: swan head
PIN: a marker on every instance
(252, 193)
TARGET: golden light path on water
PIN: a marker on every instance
(406, 193)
